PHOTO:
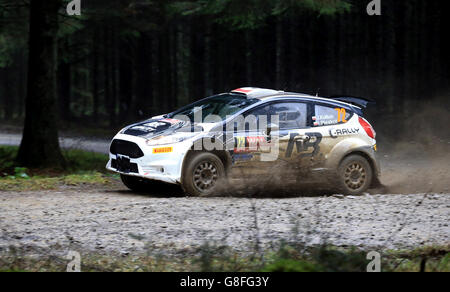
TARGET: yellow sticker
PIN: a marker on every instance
(341, 115)
(163, 150)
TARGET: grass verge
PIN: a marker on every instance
(221, 259)
(84, 168)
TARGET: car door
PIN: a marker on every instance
(278, 142)
(250, 142)
(298, 145)
(326, 118)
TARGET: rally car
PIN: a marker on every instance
(250, 132)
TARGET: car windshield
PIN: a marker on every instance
(219, 106)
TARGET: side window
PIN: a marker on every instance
(328, 116)
(250, 120)
(292, 115)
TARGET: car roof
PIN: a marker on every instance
(267, 94)
(258, 93)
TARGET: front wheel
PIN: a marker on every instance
(354, 175)
(203, 175)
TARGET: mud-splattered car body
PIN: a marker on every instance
(312, 138)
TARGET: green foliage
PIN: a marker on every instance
(322, 7)
(13, 30)
(85, 168)
(70, 25)
(7, 156)
(38, 183)
(216, 260)
(134, 18)
(436, 259)
(251, 14)
(319, 259)
(79, 160)
(292, 266)
(444, 264)
(334, 260)
(19, 173)
(6, 46)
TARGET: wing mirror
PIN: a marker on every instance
(271, 128)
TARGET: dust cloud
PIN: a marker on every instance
(416, 159)
(414, 154)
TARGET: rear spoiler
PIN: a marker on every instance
(361, 102)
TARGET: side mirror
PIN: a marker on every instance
(272, 128)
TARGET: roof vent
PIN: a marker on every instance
(253, 92)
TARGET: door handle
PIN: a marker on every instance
(304, 138)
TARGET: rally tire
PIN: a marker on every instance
(355, 175)
(204, 175)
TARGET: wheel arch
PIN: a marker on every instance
(223, 155)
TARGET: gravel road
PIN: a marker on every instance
(115, 220)
(123, 222)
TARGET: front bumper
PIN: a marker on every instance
(162, 163)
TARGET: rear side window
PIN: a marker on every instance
(292, 115)
(328, 116)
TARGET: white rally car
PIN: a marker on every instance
(250, 132)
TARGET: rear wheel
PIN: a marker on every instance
(355, 175)
(203, 175)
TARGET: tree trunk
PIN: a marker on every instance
(40, 145)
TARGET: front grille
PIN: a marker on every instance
(126, 148)
(125, 166)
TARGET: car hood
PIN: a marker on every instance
(163, 126)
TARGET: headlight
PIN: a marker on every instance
(164, 140)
